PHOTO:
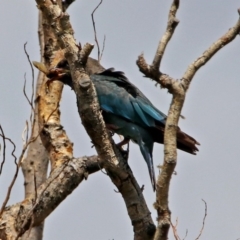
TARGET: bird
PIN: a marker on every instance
(125, 109)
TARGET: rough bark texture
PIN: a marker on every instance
(18, 218)
(88, 107)
(178, 90)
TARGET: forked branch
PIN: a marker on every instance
(91, 117)
(178, 90)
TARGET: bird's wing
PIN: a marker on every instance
(117, 95)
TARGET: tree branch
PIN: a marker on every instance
(95, 31)
(35, 172)
(91, 117)
(171, 26)
(64, 178)
(153, 71)
(209, 53)
(178, 90)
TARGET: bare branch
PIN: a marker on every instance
(95, 31)
(174, 228)
(35, 201)
(178, 89)
(153, 71)
(175, 233)
(4, 149)
(35, 172)
(171, 26)
(30, 63)
(26, 142)
(25, 94)
(204, 218)
(209, 53)
(65, 178)
(103, 47)
(17, 170)
(185, 235)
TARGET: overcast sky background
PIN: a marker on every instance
(94, 211)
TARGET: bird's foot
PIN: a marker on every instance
(123, 142)
(124, 153)
(56, 74)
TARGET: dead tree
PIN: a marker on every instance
(49, 140)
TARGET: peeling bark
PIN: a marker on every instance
(16, 219)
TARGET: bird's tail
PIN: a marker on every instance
(147, 154)
(185, 142)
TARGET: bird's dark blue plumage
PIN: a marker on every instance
(128, 112)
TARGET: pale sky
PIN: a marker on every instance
(94, 211)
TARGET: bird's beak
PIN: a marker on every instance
(41, 67)
(53, 74)
(56, 74)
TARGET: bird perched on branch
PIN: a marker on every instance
(125, 109)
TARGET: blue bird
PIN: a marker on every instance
(126, 110)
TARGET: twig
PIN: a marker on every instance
(185, 235)
(171, 26)
(174, 228)
(25, 94)
(209, 53)
(95, 31)
(32, 70)
(30, 101)
(204, 218)
(153, 71)
(14, 149)
(4, 149)
(175, 233)
(103, 47)
(178, 90)
(16, 172)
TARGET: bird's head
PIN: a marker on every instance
(59, 73)
(62, 71)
